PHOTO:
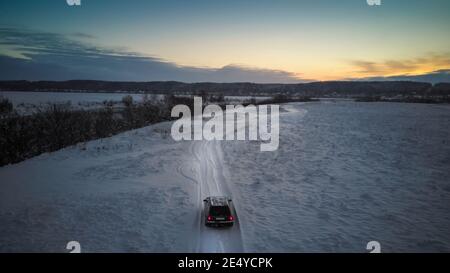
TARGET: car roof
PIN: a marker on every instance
(219, 201)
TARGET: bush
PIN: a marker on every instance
(127, 100)
(6, 106)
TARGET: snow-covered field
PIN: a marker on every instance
(125, 193)
(345, 174)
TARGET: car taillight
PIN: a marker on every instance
(209, 218)
(230, 218)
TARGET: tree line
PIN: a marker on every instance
(57, 125)
(311, 89)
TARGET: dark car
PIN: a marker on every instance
(218, 211)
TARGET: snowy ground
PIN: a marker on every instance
(134, 192)
(125, 193)
(346, 173)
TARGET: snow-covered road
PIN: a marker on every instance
(211, 176)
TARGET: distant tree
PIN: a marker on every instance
(280, 98)
(203, 94)
(217, 98)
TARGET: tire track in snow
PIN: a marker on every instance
(212, 181)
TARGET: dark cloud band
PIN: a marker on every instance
(51, 56)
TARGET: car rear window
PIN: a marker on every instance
(220, 211)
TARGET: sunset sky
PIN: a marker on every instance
(282, 41)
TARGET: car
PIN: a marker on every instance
(218, 211)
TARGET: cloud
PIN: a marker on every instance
(52, 56)
(404, 67)
(82, 35)
(366, 67)
(240, 73)
(437, 76)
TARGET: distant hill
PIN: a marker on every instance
(313, 89)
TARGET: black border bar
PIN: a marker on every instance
(279, 262)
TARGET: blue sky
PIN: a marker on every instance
(230, 40)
